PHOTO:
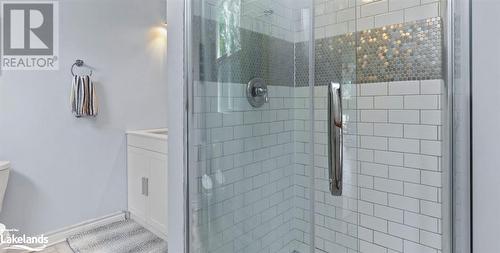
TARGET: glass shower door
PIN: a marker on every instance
(386, 59)
(336, 139)
(249, 132)
(316, 129)
(259, 175)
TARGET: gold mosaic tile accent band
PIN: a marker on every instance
(399, 52)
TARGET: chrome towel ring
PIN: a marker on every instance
(79, 63)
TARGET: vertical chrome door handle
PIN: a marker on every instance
(335, 138)
(145, 186)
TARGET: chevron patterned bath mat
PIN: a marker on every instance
(119, 237)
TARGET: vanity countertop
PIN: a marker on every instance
(160, 133)
(4, 165)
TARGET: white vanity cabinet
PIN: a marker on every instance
(147, 179)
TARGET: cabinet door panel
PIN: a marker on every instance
(138, 168)
(158, 192)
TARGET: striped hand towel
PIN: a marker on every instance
(83, 97)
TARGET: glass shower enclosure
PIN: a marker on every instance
(317, 126)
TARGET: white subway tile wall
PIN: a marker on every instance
(245, 192)
(398, 140)
(258, 160)
(398, 205)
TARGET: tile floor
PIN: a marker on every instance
(62, 247)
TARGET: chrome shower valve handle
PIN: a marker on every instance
(257, 92)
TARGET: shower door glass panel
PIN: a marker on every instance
(336, 163)
(245, 141)
(387, 58)
(260, 178)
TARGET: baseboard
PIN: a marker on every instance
(148, 227)
(61, 235)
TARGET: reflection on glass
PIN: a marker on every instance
(228, 27)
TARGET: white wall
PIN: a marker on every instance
(68, 170)
(176, 198)
(486, 122)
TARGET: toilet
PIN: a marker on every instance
(4, 178)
